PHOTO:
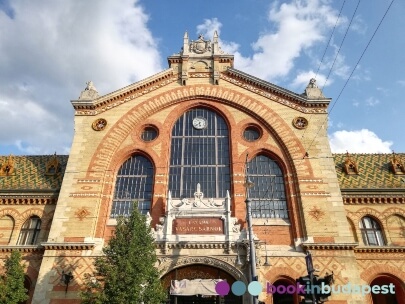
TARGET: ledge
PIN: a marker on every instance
(187, 245)
(68, 246)
(379, 249)
(21, 248)
(330, 246)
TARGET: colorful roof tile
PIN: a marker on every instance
(33, 173)
(374, 172)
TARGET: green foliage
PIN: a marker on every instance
(127, 273)
(12, 289)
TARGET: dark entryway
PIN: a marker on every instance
(199, 271)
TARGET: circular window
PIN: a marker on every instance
(251, 133)
(149, 133)
(99, 124)
(300, 122)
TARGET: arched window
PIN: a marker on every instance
(30, 231)
(134, 184)
(268, 193)
(199, 154)
(371, 232)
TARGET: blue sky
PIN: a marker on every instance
(50, 49)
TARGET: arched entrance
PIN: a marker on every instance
(284, 298)
(395, 285)
(197, 271)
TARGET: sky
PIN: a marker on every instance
(50, 49)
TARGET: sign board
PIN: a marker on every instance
(201, 225)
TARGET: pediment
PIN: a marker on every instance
(305, 103)
(103, 103)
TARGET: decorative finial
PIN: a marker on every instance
(90, 92)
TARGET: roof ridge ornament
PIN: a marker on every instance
(312, 91)
(90, 92)
(7, 168)
(350, 166)
(397, 165)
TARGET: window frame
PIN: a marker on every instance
(122, 206)
(187, 160)
(29, 236)
(275, 205)
(374, 231)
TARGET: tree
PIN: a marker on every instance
(12, 290)
(126, 273)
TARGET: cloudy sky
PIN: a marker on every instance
(49, 49)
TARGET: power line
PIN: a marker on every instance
(352, 72)
(330, 38)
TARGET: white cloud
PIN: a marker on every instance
(300, 25)
(208, 28)
(401, 82)
(359, 141)
(372, 101)
(302, 79)
(47, 53)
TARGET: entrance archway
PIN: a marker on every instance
(198, 271)
(285, 298)
(399, 287)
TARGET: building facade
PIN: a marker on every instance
(190, 144)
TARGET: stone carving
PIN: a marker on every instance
(312, 91)
(316, 213)
(90, 92)
(198, 202)
(159, 227)
(168, 265)
(235, 225)
(82, 213)
(200, 45)
(148, 218)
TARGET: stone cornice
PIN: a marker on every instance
(358, 199)
(20, 248)
(329, 246)
(27, 200)
(111, 100)
(275, 92)
(188, 245)
(379, 249)
(68, 246)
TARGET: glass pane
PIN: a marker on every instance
(134, 183)
(199, 155)
(268, 191)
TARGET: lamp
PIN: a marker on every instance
(66, 278)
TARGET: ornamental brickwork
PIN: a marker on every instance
(329, 199)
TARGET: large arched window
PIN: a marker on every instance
(134, 184)
(268, 193)
(199, 154)
(30, 231)
(371, 232)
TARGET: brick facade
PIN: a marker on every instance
(323, 212)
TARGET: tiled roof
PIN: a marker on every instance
(374, 172)
(30, 173)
